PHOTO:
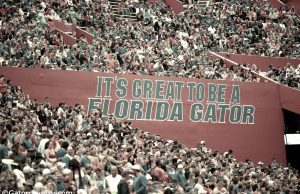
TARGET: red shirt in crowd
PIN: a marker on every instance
(160, 174)
(2, 85)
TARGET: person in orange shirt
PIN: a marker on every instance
(2, 84)
(110, 64)
(158, 173)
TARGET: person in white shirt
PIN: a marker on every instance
(41, 148)
(113, 180)
(20, 178)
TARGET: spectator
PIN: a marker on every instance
(180, 175)
(3, 148)
(100, 180)
(68, 157)
(288, 75)
(62, 151)
(140, 182)
(158, 172)
(113, 180)
(123, 187)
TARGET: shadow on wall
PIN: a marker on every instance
(276, 3)
(175, 5)
(290, 3)
(295, 4)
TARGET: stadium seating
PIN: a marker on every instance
(44, 148)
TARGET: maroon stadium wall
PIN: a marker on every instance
(244, 117)
(277, 3)
(290, 99)
(175, 5)
(295, 4)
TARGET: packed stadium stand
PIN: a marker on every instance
(245, 53)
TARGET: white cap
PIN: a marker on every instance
(9, 163)
(53, 169)
(136, 167)
(60, 164)
(180, 166)
(81, 191)
(27, 169)
(66, 171)
(148, 177)
(38, 186)
(182, 151)
(252, 173)
(46, 171)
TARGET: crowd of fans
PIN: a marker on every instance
(288, 75)
(58, 149)
(159, 43)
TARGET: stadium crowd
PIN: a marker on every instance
(57, 149)
(287, 75)
(46, 148)
(159, 43)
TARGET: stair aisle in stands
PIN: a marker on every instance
(114, 4)
(202, 3)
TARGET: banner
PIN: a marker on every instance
(166, 100)
(244, 117)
